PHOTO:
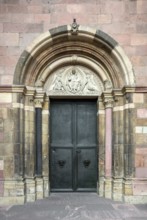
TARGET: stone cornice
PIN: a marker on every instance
(117, 92)
(39, 97)
(5, 89)
(29, 91)
(128, 89)
(141, 89)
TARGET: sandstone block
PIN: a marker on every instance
(42, 18)
(141, 79)
(35, 9)
(123, 39)
(7, 79)
(20, 9)
(12, 1)
(141, 50)
(104, 19)
(6, 97)
(141, 172)
(3, 9)
(139, 60)
(142, 113)
(139, 188)
(138, 39)
(141, 28)
(1, 27)
(141, 7)
(9, 39)
(6, 17)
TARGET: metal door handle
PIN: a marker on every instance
(61, 163)
(86, 163)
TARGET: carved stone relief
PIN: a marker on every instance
(74, 80)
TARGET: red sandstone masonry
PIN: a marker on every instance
(9, 39)
(104, 19)
(141, 6)
(139, 60)
(141, 50)
(37, 9)
(26, 39)
(39, 18)
(8, 60)
(19, 28)
(116, 8)
(3, 9)
(1, 27)
(17, 9)
(21, 22)
(123, 39)
(5, 17)
(22, 18)
(6, 80)
(139, 39)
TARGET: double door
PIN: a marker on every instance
(73, 145)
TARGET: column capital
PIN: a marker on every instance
(108, 100)
(38, 103)
(39, 98)
(108, 103)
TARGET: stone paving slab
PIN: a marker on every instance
(74, 206)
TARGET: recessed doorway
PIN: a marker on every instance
(73, 145)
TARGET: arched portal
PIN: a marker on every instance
(75, 62)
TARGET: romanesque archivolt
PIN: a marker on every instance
(74, 80)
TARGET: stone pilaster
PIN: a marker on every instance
(45, 146)
(101, 147)
(108, 102)
(118, 146)
(39, 98)
(129, 124)
(29, 144)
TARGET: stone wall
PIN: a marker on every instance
(23, 20)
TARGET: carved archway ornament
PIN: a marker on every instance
(83, 47)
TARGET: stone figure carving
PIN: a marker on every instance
(90, 84)
(74, 80)
(58, 85)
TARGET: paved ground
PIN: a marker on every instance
(74, 206)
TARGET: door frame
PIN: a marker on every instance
(97, 131)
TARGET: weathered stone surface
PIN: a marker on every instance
(20, 23)
(138, 98)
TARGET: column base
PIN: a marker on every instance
(39, 187)
(108, 188)
(117, 189)
(30, 190)
(12, 191)
(101, 186)
(46, 187)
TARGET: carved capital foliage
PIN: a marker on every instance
(108, 103)
(38, 103)
(108, 99)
